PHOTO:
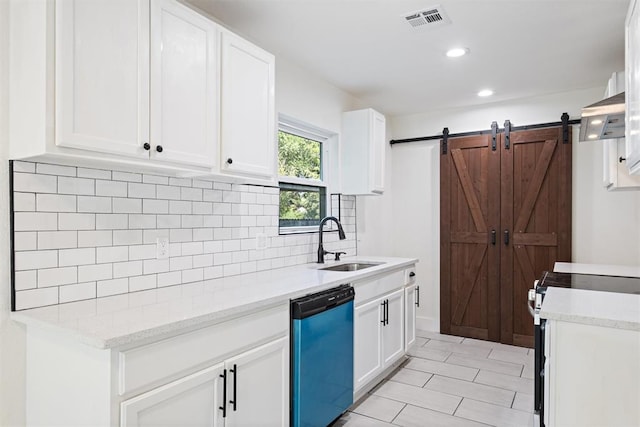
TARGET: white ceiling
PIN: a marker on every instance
(519, 48)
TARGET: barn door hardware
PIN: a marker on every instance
(494, 135)
(445, 138)
(565, 128)
(507, 134)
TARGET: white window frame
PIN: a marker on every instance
(327, 141)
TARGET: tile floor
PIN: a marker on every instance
(452, 381)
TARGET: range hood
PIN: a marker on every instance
(603, 120)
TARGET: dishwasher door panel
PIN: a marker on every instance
(322, 366)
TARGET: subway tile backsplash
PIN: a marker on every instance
(84, 233)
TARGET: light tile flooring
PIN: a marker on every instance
(452, 381)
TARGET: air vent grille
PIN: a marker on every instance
(430, 17)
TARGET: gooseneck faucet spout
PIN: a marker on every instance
(341, 235)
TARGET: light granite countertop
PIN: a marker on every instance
(126, 319)
(608, 309)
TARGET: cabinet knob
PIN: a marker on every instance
(159, 148)
(229, 160)
(412, 274)
(147, 146)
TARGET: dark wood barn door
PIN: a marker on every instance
(505, 216)
(536, 211)
(469, 215)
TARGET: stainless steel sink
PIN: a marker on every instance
(350, 266)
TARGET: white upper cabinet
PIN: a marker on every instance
(247, 129)
(139, 84)
(183, 85)
(363, 147)
(102, 76)
(614, 169)
(632, 95)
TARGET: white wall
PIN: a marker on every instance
(605, 225)
(12, 353)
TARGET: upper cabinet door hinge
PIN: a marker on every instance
(445, 140)
(494, 135)
(565, 128)
(507, 134)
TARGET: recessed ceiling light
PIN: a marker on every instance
(457, 52)
(592, 136)
(596, 122)
(485, 92)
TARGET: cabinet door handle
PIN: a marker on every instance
(224, 393)
(229, 160)
(159, 148)
(384, 312)
(417, 296)
(387, 312)
(493, 237)
(235, 385)
(146, 146)
(506, 237)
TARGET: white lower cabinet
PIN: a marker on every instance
(232, 373)
(411, 302)
(258, 386)
(393, 329)
(189, 401)
(380, 322)
(256, 393)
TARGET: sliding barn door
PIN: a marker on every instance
(469, 257)
(505, 217)
(536, 213)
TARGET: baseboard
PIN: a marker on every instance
(428, 324)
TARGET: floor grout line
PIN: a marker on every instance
(405, 405)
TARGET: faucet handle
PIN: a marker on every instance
(337, 254)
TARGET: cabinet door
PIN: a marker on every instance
(102, 75)
(377, 153)
(247, 128)
(410, 299)
(190, 401)
(258, 386)
(367, 342)
(632, 98)
(393, 330)
(183, 85)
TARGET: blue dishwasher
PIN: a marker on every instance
(321, 356)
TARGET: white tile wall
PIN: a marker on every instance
(87, 233)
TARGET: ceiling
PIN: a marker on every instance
(518, 48)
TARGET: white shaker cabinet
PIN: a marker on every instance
(189, 401)
(412, 302)
(363, 144)
(615, 172)
(183, 85)
(129, 83)
(258, 386)
(379, 329)
(632, 94)
(175, 379)
(101, 75)
(247, 117)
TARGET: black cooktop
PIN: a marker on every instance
(625, 285)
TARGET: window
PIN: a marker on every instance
(302, 169)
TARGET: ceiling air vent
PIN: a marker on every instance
(430, 17)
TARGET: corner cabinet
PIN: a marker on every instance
(632, 93)
(138, 84)
(380, 322)
(247, 129)
(363, 152)
(233, 373)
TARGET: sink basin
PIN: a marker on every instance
(350, 266)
